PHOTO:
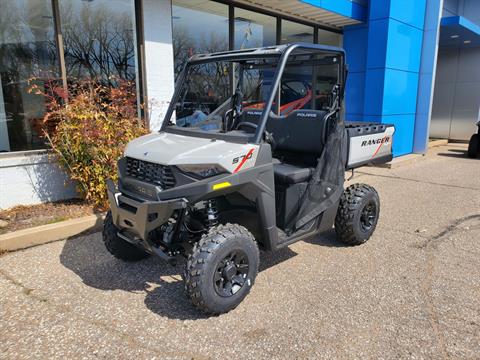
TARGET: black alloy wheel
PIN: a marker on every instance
(221, 268)
(231, 273)
(368, 216)
(357, 214)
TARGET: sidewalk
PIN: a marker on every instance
(412, 291)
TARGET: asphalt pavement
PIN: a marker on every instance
(412, 291)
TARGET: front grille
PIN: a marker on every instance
(156, 174)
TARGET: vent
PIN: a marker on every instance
(155, 174)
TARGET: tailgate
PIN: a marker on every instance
(369, 143)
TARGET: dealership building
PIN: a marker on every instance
(412, 63)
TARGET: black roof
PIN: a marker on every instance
(265, 52)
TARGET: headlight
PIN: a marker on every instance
(203, 170)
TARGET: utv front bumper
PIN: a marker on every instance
(137, 218)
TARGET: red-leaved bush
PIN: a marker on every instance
(88, 129)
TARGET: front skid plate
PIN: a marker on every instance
(140, 217)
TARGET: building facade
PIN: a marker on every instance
(411, 63)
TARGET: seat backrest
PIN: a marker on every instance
(300, 131)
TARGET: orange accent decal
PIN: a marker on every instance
(379, 146)
(249, 154)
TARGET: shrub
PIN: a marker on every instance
(88, 132)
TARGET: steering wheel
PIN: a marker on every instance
(247, 124)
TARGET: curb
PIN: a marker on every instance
(44, 234)
(401, 161)
(405, 160)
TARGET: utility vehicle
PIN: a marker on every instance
(474, 143)
(234, 170)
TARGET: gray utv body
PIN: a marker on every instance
(281, 174)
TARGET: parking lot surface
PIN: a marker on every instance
(412, 291)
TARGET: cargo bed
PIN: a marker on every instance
(368, 143)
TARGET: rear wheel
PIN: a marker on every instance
(118, 247)
(221, 269)
(357, 214)
(474, 146)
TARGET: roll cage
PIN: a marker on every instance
(284, 54)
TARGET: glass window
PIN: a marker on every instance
(295, 32)
(253, 29)
(204, 96)
(99, 39)
(202, 105)
(308, 80)
(28, 54)
(307, 83)
(198, 27)
(329, 38)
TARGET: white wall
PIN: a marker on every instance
(4, 142)
(31, 178)
(157, 22)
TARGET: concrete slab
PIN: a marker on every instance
(411, 291)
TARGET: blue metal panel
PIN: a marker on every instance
(404, 46)
(377, 43)
(403, 138)
(390, 92)
(355, 117)
(379, 9)
(355, 44)
(355, 91)
(348, 8)
(400, 92)
(373, 103)
(393, 49)
(404, 127)
(411, 12)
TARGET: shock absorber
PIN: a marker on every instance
(212, 212)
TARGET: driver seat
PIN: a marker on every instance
(291, 174)
(299, 138)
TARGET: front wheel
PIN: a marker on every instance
(221, 269)
(474, 146)
(357, 214)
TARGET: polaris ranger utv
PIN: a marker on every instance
(251, 155)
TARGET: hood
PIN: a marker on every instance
(173, 149)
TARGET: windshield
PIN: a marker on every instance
(214, 95)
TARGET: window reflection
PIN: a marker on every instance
(27, 51)
(295, 32)
(329, 38)
(253, 29)
(198, 27)
(99, 43)
(99, 39)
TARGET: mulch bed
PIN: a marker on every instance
(23, 217)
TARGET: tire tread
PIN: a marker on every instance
(202, 252)
(350, 203)
(118, 247)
